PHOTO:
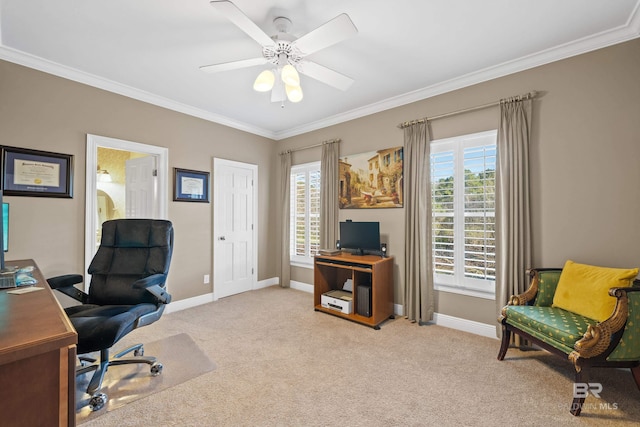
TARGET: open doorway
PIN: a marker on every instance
(124, 179)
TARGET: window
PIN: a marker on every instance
(304, 235)
(463, 213)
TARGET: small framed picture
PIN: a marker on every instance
(36, 173)
(190, 186)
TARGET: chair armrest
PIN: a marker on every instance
(64, 281)
(154, 279)
(152, 284)
(65, 284)
(598, 337)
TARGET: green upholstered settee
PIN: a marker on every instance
(584, 341)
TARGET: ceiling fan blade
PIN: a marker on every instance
(338, 29)
(234, 65)
(325, 75)
(235, 15)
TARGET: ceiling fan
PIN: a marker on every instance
(286, 55)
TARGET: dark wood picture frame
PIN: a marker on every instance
(36, 173)
(190, 186)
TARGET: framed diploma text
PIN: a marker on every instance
(36, 173)
(190, 186)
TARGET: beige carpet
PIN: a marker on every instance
(280, 363)
(181, 358)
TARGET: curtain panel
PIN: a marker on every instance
(329, 195)
(418, 288)
(285, 196)
(513, 215)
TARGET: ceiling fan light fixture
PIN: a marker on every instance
(290, 75)
(264, 82)
(294, 93)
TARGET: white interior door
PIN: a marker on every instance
(141, 188)
(234, 249)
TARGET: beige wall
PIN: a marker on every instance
(43, 112)
(584, 161)
(584, 154)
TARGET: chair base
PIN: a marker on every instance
(98, 399)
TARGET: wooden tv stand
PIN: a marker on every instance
(331, 271)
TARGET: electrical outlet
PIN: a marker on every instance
(206, 279)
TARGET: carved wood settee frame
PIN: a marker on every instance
(599, 346)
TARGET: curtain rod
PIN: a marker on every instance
(522, 97)
(330, 141)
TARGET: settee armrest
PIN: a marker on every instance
(598, 337)
(65, 284)
(542, 287)
(529, 297)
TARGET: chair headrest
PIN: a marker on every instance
(137, 233)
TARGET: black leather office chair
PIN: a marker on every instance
(127, 291)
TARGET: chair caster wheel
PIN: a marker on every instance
(98, 401)
(139, 352)
(156, 369)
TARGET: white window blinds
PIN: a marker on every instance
(463, 212)
(305, 212)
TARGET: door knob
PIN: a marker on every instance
(221, 238)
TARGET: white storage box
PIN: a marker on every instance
(337, 300)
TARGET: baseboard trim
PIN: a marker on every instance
(267, 282)
(207, 298)
(305, 287)
(183, 304)
(439, 319)
(465, 325)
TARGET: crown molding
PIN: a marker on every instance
(59, 70)
(629, 31)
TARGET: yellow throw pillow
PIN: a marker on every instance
(584, 289)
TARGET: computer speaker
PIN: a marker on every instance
(383, 249)
(337, 244)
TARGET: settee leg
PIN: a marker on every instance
(635, 371)
(576, 406)
(578, 402)
(506, 338)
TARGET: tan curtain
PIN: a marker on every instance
(418, 287)
(285, 263)
(513, 217)
(329, 195)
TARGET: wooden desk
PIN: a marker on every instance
(37, 358)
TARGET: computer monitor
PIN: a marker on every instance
(5, 227)
(360, 238)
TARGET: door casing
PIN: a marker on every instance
(95, 141)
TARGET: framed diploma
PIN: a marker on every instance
(36, 173)
(190, 186)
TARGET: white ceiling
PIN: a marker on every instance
(405, 50)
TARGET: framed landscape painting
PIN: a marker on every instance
(371, 180)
